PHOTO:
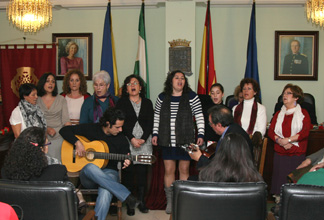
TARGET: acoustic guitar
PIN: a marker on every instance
(97, 153)
(208, 152)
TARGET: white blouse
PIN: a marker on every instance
(74, 108)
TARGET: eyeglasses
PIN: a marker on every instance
(134, 83)
(287, 93)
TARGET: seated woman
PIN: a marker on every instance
(26, 159)
(250, 114)
(75, 92)
(27, 113)
(215, 98)
(232, 162)
(289, 130)
(305, 105)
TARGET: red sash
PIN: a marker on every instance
(238, 115)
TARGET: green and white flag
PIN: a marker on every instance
(141, 65)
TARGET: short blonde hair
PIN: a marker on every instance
(68, 45)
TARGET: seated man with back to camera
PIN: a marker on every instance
(106, 180)
(222, 122)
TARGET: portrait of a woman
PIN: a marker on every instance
(71, 61)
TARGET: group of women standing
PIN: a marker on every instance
(166, 127)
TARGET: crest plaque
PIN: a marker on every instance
(180, 56)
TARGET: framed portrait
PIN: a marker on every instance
(74, 51)
(296, 55)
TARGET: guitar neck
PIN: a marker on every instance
(112, 156)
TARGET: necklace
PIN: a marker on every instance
(139, 98)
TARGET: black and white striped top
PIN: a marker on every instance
(196, 110)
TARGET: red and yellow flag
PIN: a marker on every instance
(207, 74)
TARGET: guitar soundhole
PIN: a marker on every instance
(90, 154)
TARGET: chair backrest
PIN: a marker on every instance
(263, 155)
(230, 101)
(219, 201)
(309, 98)
(299, 202)
(48, 200)
(259, 150)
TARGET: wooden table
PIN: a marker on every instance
(315, 143)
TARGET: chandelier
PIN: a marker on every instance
(30, 15)
(315, 11)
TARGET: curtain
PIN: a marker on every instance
(22, 64)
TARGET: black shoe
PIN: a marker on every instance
(142, 207)
(130, 212)
(113, 210)
(131, 201)
(82, 208)
(275, 210)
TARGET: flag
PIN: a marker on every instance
(207, 74)
(252, 70)
(108, 57)
(141, 65)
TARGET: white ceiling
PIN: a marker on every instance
(69, 4)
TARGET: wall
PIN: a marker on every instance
(230, 32)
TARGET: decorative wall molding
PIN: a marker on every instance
(79, 4)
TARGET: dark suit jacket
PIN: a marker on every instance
(233, 128)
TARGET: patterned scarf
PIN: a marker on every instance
(238, 115)
(97, 110)
(32, 114)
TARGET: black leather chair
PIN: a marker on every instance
(219, 201)
(299, 202)
(230, 101)
(309, 98)
(48, 200)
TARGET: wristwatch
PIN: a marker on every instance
(289, 140)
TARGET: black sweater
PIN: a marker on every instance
(145, 117)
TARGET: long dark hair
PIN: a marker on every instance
(232, 162)
(25, 158)
(141, 83)
(40, 85)
(168, 89)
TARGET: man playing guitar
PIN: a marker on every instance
(108, 130)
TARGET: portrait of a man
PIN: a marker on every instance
(295, 62)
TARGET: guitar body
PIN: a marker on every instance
(208, 152)
(75, 163)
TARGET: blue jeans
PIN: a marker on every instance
(106, 181)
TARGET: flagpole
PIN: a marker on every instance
(207, 58)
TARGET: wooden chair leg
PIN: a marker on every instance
(89, 216)
(119, 210)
